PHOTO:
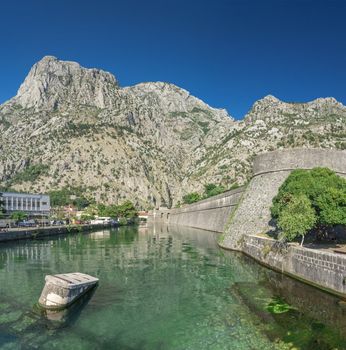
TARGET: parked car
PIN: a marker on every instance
(114, 222)
(57, 222)
(26, 223)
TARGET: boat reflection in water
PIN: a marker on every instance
(67, 317)
(100, 234)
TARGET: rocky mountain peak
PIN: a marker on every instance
(173, 99)
(269, 99)
(53, 84)
(273, 110)
(326, 101)
(152, 142)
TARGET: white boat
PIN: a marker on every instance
(62, 290)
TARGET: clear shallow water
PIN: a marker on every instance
(160, 288)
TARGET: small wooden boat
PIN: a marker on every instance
(62, 290)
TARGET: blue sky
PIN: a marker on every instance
(228, 53)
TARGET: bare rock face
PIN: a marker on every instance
(150, 143)
(53, 84)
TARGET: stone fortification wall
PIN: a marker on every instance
(300, 158)
(209, 214)
(245, 213)
(321, 268)
(269, 172)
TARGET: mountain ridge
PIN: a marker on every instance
(151, 142)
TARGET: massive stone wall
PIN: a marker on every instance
(269, 172)
(209, 214)
(300, 158)
(322, 268)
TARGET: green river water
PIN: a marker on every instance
(160, 288)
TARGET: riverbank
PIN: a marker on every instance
(14, 234)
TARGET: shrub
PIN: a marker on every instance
(191, 198)
(212, 190)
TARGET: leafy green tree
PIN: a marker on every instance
(325, 190)
(92, 210)
(102, 210)
(332, 206)
(81, 202)
(127, 210)
(62, 197)
(18, 216)
(110, 210)
(191, 198)
(312, 183)
(87, 217)
(297, 218)
(59, 198)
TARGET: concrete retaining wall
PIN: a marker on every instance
(209, 214)
(14, 235)
(320, 268)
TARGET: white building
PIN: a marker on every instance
(31, 204)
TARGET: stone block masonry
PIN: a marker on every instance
(209, 214)
(320, 268)
(269, 172)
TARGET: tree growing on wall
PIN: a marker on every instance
(319, 190)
